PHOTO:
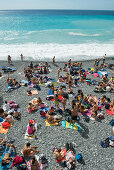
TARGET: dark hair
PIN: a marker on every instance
(1, 110)
(28, 144)
(59, 149)
(107, 106)
(33, 160)
(6, 102)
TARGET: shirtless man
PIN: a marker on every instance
(59, 154)
(29, 150)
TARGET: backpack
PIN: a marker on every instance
(79, 157)
(112, 122)
(104, 145)
(17, 161)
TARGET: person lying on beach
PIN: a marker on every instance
(9, 119)
(6, 160)
(29, 150)
(51, 118)
(17, 114)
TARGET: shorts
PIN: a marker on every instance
(74, 118)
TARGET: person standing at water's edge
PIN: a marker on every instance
(9, 59)
(104, 58)
(21, 57)
(54, 60)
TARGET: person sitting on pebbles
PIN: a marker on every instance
(51, 118)
(29, 150)
(31, 128)
(29, 108)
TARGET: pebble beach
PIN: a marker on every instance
(86, 142)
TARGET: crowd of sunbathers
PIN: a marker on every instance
(91, 107)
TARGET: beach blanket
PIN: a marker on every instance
(6, 166)
(3, 130)
(31, 137)
(51, 124)
(110, 112)
(71, 126)
(34, 92)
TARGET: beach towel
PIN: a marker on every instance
(34, 92)
(110, 112)
(6, 166)
(71, 126)
(3, 130)
(96, 74)
(31, 137)
(51, 124)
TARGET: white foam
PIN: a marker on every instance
(63, 52)
(82, 34)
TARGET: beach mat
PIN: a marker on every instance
(110, 112)
(34, 92)
(71, 126)
(3, 130)
(51, 124)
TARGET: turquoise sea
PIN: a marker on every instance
(42, 34)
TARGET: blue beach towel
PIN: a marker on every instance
(6, 166)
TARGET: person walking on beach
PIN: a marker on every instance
(54, 60)
(21, 57)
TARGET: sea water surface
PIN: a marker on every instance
(42, 34)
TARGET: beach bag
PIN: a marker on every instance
(17, 161)
(112, 122)
(87, 119)
(79, 157)
(101, 117)
(104, 145)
